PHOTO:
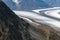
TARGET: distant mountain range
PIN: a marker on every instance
(53, 3)
(31, 4)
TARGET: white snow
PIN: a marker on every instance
(53, 13)
(37, 10)
(39, 18)
(16, 1)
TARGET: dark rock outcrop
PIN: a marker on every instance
(11, 26)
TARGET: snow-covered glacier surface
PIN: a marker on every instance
(42, 18)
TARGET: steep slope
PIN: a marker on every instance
(11, 26)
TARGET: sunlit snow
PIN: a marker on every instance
(39, 18)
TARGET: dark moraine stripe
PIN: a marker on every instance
(11, 26)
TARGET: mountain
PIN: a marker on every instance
(10, 4)
(27, 4)
(31, 4)
(13, 27)
(53, 3)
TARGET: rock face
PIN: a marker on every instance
(14, 28)
(11, 26)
